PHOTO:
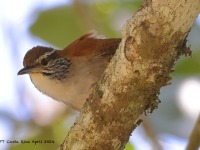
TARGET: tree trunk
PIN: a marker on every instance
(152, 41)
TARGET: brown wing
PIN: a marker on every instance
(90, 44)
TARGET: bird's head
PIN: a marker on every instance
(46, 61)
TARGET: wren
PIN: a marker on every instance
(67, 75)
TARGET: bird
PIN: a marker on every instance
(67, 74)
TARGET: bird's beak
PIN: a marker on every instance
(26, 70)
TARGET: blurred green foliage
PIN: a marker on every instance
(129, 146)
(48, 137)
(188, 65)
(57, 26)
(61, 25)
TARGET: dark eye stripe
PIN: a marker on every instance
(57, 68)
(44, 62)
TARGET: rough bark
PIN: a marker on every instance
(152, 41)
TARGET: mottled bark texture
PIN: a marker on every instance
(152, 41)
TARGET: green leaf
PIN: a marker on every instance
(188, 65)
(57, 26)
(61, 25)
(129, 146)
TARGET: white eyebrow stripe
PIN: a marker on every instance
(45, 55)
(49, 53)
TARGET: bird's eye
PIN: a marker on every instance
(44, 62)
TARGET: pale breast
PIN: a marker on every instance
(73, 91)
(76, 87)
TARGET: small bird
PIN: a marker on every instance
(67, 75)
